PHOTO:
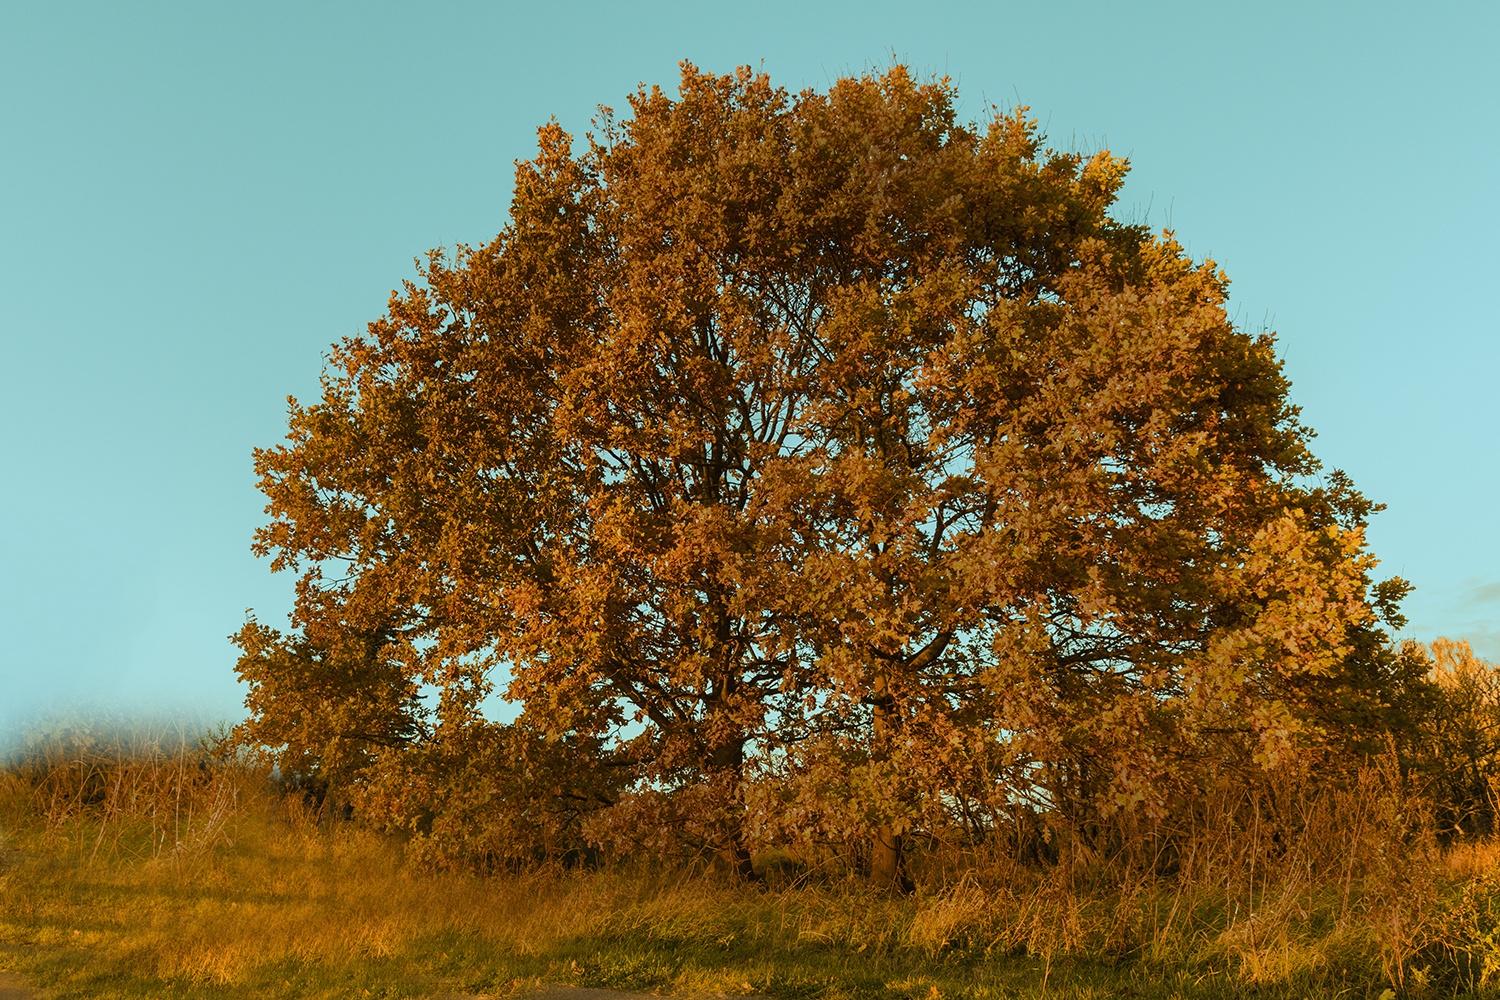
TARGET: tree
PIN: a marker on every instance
(1457, 755)
(328, 703)
(797, 452)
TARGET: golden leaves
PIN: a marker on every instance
(846, 448)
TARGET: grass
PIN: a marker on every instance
(144, 872)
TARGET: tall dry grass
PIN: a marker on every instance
(124, 794)
(170, 861)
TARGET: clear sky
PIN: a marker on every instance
(196, 199)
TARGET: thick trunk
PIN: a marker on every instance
(728, 761)
(888, 862)
(736, 858)
(887, 842)
(887, 847)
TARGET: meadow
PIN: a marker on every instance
(150, 867)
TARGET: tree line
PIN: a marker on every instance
(818, 469)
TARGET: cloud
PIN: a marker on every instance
(1485, 596)
(1467, 610)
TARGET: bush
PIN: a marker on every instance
(489, 797)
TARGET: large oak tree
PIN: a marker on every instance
(820, 456)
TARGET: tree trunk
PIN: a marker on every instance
(736, 857)
(888, 862)
(728, 762)
(887, 857)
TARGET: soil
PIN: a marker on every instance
(547, 991)
(13, 987)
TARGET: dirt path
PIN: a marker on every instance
(551, 991)
(13, 987)
(546, 991)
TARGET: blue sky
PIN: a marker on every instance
(197, 199)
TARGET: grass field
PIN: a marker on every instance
(143, 872)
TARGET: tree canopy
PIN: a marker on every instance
(820, 467)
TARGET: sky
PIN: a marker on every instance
(196, 200)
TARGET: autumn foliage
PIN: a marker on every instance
(819, 470)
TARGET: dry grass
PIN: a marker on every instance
(154, 870)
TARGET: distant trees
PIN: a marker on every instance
(816, 466)
(1456, 751)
